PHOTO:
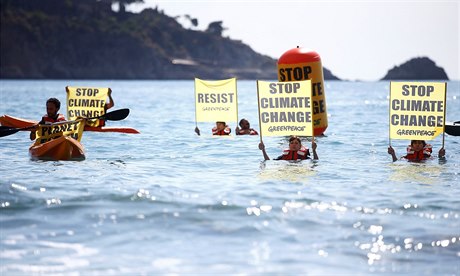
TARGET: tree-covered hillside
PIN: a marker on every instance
(86, 39)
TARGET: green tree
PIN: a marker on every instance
(193, 21)
(215, 28)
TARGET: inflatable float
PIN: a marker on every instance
(299, 64)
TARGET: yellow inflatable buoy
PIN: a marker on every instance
(302, 64)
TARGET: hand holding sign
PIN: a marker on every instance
(417, 113)
(285, 108)
(215, 101)
(87, 102)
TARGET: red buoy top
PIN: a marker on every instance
(299, 55)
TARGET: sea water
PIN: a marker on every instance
(167, 201)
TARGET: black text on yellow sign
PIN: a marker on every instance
(297, 73)
(417, 105)
(289, 102)
(215, 98)
(417, 110)
(78, 107)
(303, 72)
(50, 132)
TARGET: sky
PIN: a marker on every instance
(356, 40)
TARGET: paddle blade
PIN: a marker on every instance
(116, 115)
(5, 131)
(2, 128)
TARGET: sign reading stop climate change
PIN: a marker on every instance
(285, 108)
(417, 110)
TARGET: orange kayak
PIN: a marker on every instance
(62, 148)
(11, 121)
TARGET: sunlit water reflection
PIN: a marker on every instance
(169, 202)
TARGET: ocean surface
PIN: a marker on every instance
(169, 202)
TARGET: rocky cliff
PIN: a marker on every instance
(85, 39)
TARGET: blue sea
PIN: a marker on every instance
(169, 202)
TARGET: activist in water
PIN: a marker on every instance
(418, 150)
(52, 116)
(245, 128)
(295, 151)
(221, 128)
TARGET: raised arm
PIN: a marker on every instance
(441, 153)
(262, 148)
(392, 152)
(111, 103)
(313, 147)
(32, 134)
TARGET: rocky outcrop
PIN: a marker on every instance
(421, 68)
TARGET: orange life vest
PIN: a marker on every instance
(418, 155)
(48, 120)
(301, 154)
(225, 131)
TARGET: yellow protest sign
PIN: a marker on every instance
(47, 132)
(285, 108)
(86, 102)
(417, 110)
(216, 100)
(312, 70)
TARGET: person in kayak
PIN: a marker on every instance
(245, 128)
(295, 151)
(52, 116)
(418, 150)
(220, 129)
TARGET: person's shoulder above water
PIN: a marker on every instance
(418, 150)
(245, 128)
(295, 151)
(52, 115)
(300, 154)
(221, 128)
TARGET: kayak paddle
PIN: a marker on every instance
(116, 115)
(5, 130)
